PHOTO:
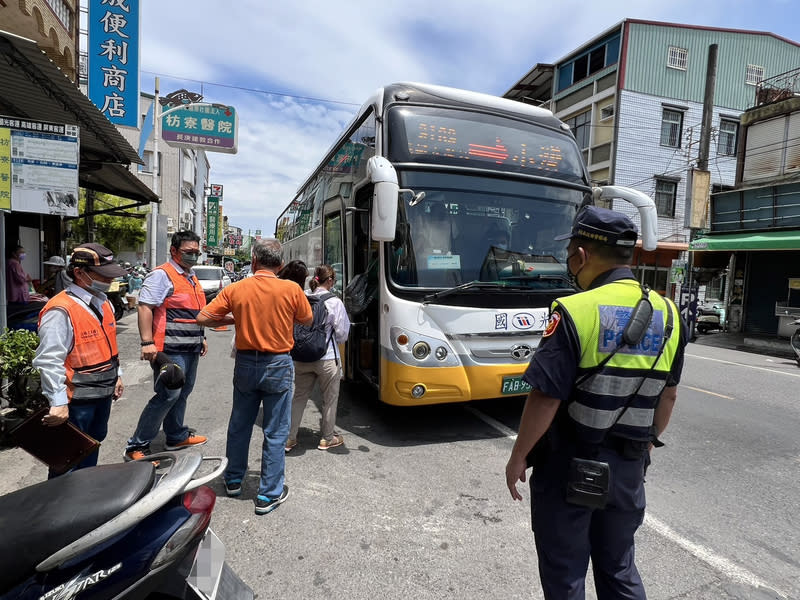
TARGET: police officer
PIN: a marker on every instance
(600, 399)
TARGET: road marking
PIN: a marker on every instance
(696, 389)
(728, 362)
(506, 431)
(717, 562)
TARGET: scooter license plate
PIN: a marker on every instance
(211, 577)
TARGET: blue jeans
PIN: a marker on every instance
(166, 406)
(268, 380)
(91, 418)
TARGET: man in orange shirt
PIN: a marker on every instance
(264, 310)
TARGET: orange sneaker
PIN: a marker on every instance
(192, 440)
(136, 455)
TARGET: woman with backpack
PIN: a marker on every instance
(319, 362)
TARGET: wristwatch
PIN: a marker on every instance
(147, 343)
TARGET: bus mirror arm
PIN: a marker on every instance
(384, 198)
(643, 203)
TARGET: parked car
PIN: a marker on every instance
(710, 317)
(212, 278)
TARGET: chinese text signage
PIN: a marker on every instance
(212, 222)
(38, 167)
(211, 127)
(113, 68)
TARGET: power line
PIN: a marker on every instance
(255, 90)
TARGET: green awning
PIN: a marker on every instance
(770, 240)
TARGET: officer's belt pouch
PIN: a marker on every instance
(587, 483)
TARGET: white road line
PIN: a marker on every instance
(697, 389)
(728, 362)
(719, 563)
(506, 431)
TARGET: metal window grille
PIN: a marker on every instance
(677, 58)
(671, 125)
(753, 75)
(665, 197)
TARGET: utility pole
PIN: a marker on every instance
(701, 176)
(156, 181)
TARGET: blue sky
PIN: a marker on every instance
(340, 53)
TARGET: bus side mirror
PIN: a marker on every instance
(384, 198)
(643, 203)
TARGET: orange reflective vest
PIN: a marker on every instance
(93, 362)
(175, 328)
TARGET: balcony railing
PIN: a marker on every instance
(779, 87)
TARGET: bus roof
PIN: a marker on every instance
(425, 93)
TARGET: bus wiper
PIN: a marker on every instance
(464, 286)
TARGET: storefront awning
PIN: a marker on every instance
(33, 87)
(770, 240)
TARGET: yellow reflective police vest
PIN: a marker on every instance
(600, 395)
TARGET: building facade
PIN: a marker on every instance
(633, 97)
(53, 24)
(755, 227)
(183, 175)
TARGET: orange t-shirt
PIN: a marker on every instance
(265, 309)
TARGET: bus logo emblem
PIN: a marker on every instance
(521, 352)
(523, 320)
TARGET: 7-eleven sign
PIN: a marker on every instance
(216, 190)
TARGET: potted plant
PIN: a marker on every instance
(20, 387)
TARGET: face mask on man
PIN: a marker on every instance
(188, 259)
(573, 277)
(21, 257)
(96, 286)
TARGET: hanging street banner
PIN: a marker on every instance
(39, 166)
(113, 59)
(209, 127)
(212, 222)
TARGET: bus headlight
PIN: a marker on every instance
(421, 350)
(418, 391)
(441, 353)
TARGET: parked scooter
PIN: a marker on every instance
(794, 341)
(117, 295)
(122, 531)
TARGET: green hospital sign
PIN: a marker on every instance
(211, 127)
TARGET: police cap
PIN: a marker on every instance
(604, 226)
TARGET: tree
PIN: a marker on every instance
(116, 231)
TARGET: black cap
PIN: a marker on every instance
(96, 258)
(602, 225)
(169, 373)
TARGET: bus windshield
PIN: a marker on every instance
(473, 228)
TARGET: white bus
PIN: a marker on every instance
(437, 208)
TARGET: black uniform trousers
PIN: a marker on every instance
(568, 535)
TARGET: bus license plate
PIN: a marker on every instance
(514, 385)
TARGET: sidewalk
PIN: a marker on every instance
(770, 345)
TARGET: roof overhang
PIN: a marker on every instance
(769, 240)
(33, 87)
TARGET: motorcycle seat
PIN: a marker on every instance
(39, 520)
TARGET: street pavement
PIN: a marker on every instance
(415, 505)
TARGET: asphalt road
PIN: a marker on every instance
(415, 504)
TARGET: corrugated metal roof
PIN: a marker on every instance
(33, 87)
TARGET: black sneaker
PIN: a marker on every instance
(265, 505)
(233, 488)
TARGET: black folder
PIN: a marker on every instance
(60, 447)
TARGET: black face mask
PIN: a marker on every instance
(573, 277)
